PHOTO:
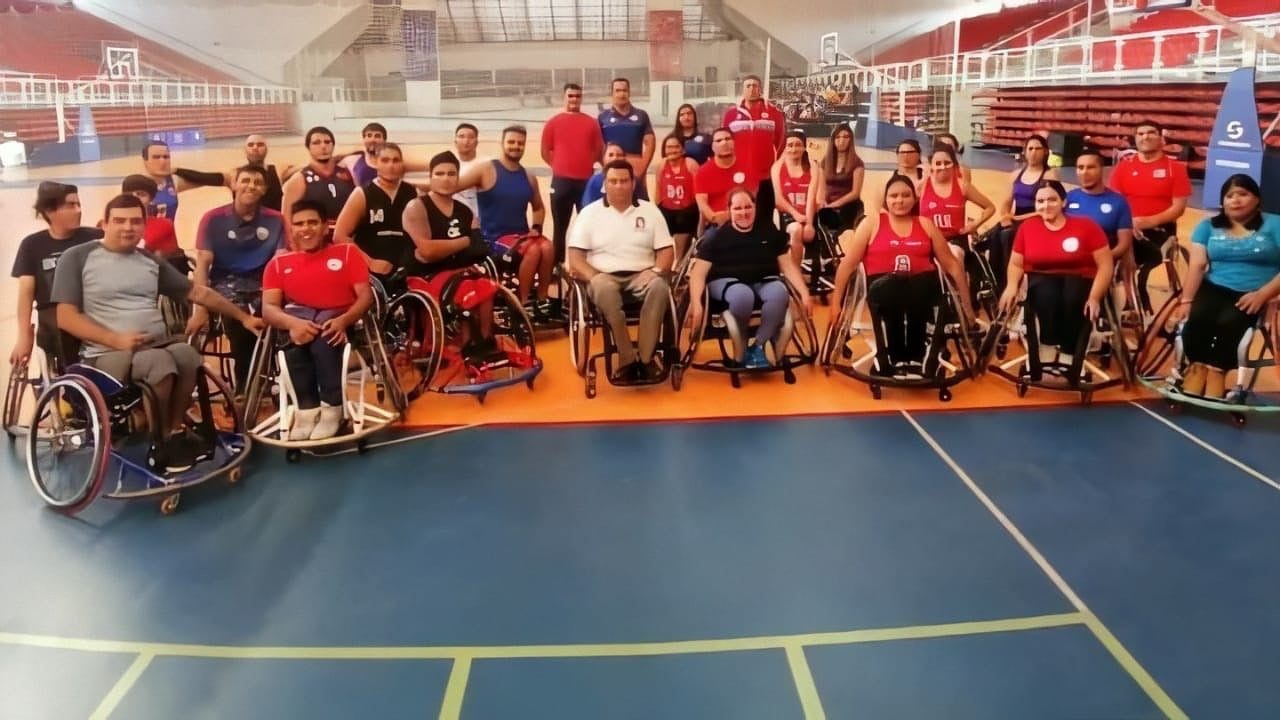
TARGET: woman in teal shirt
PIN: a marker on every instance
(1235, 271)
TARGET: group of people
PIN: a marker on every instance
(300, 250)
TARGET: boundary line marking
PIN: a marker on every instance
(805, 686)
(505, 652)
(456, 689)
(122, 687)
(403, 439)
(1109, 641)
(1193, 438)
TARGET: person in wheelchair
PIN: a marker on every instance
(953, 142)
(901, 252)
(739, 266)
(840, 196)
(1068, 266)
(58, 204)
(621, 246)
(233, 246)
(1234, 272)
(447, 241)
(1106, 207)
(106, 294)
(1020, 205)
(795, 188)
(314, 294)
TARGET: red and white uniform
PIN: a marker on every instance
(1065, 251)
(889, 252)
(321, 280)
(795, 188)
(947, 212)
(1150, 187)
(675, 186)
(716, 182)
(759, 131)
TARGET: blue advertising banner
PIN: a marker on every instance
(1236, 143)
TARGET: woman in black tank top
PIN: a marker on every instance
(372, 216)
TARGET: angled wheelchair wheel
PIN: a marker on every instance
(579, 329)
(414, 327)
(69, 444)
(19, 399)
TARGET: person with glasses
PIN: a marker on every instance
(571, 142)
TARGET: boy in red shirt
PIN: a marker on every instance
(759, 131)
(158, 235)
(315, 294)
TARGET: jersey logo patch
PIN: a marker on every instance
(1159, 173)
(639, 223)
(375, 216)
(739, 177)
(334, 264)
(1106, 208)
(262, 233)
(1071, 244)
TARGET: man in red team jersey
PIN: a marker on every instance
(1157, 188)
(759, 131)
(724, 172)
(571, 143)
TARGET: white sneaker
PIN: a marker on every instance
(329, 424)
(304, 423)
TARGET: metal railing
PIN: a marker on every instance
(36, 91)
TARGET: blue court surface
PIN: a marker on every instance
(1102, 562)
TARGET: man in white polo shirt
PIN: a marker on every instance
(619, 245)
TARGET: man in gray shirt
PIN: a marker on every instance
(107, 295)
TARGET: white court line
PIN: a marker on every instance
(1192, 437)
(1100, 631)
(404, 439)
(122, 687)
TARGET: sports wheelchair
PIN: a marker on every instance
(86, 425)
(426, 337)
(955, 350)
(1160, 365)
(823, 254)
(585, 320)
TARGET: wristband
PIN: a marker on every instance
(1184, 302)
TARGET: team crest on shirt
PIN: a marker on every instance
(639, 223)
(334, 264)
(634, 118)
(1071, 244)
(262, 233)
(739, 177)
(454, 231)
(288, 271)
(1076, 206)
(933, 205)
(1159, 173)
(697, 138)
(1106, 208)
(613, 120)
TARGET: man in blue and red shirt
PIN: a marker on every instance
(629, 127)
(759, 130)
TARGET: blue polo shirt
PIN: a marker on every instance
(241, 248)
(1108, 209)
(627, 130)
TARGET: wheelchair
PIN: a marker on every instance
(25, 382)
(212, 340)
(585, 320)
(1161, 363)
(366, 371)
(955, 349)
(983, 291)
(1100, 346)
(823, 254)
(505, 273)
(425, 337)
(86, 426)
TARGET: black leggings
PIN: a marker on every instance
(1215, 326)
(903, 305)
(242, 342)
(566, 196)
(765, 204)
(316, 372)
(1057, 301)
(1147, 256)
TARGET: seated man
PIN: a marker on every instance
(107, 295)
(618, 245)
(315, 293)
(233, 245)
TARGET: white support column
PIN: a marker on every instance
(421, 57)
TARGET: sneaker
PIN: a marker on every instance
(329, 423)
(304, 421)
(184, 451)
(652, 371)
(755, 358)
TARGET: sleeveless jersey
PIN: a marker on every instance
(165, 203)
(380, 233)
(274, 196)
(675, 187)
(503, 207)
(795, 189)
(447, 227)
(888, 252)
(945, 212)
(1024, 194)
(331, 191)
(362, 172)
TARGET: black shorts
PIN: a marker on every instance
(681, 222)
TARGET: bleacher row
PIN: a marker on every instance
(1105, 116)
(40, 125)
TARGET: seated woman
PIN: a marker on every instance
(795, 189)
(944, 195)
(314, 294)
(1235, 271)
(954, 143)
(739, 264)
(840, 195)
(1068, 266)
(1021, 203)
(901, 253)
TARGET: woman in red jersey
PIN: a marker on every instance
(943, 198)
(900, 252)
(1068, 265)
(953, 142)
(795, 188)
(675, 194)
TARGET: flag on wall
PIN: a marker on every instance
(421, 51)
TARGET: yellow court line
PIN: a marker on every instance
(456, 689)
(685, 647)
(122, 687)
(1126, 659)
(805, 686)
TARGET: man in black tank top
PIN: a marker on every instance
(372, 216)
(321, 180)
(446, 238)
(255, 153)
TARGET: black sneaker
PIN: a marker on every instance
(652, 371)
(184, 451)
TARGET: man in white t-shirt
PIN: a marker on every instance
(465, 139)
(619, 245)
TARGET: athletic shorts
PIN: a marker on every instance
(681, 222)
(509, 250)
(470, 292)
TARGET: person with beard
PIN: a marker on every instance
(506, 190)
(255, 153)
(372, 216)
(321, 181)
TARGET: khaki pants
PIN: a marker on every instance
(606, 292)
